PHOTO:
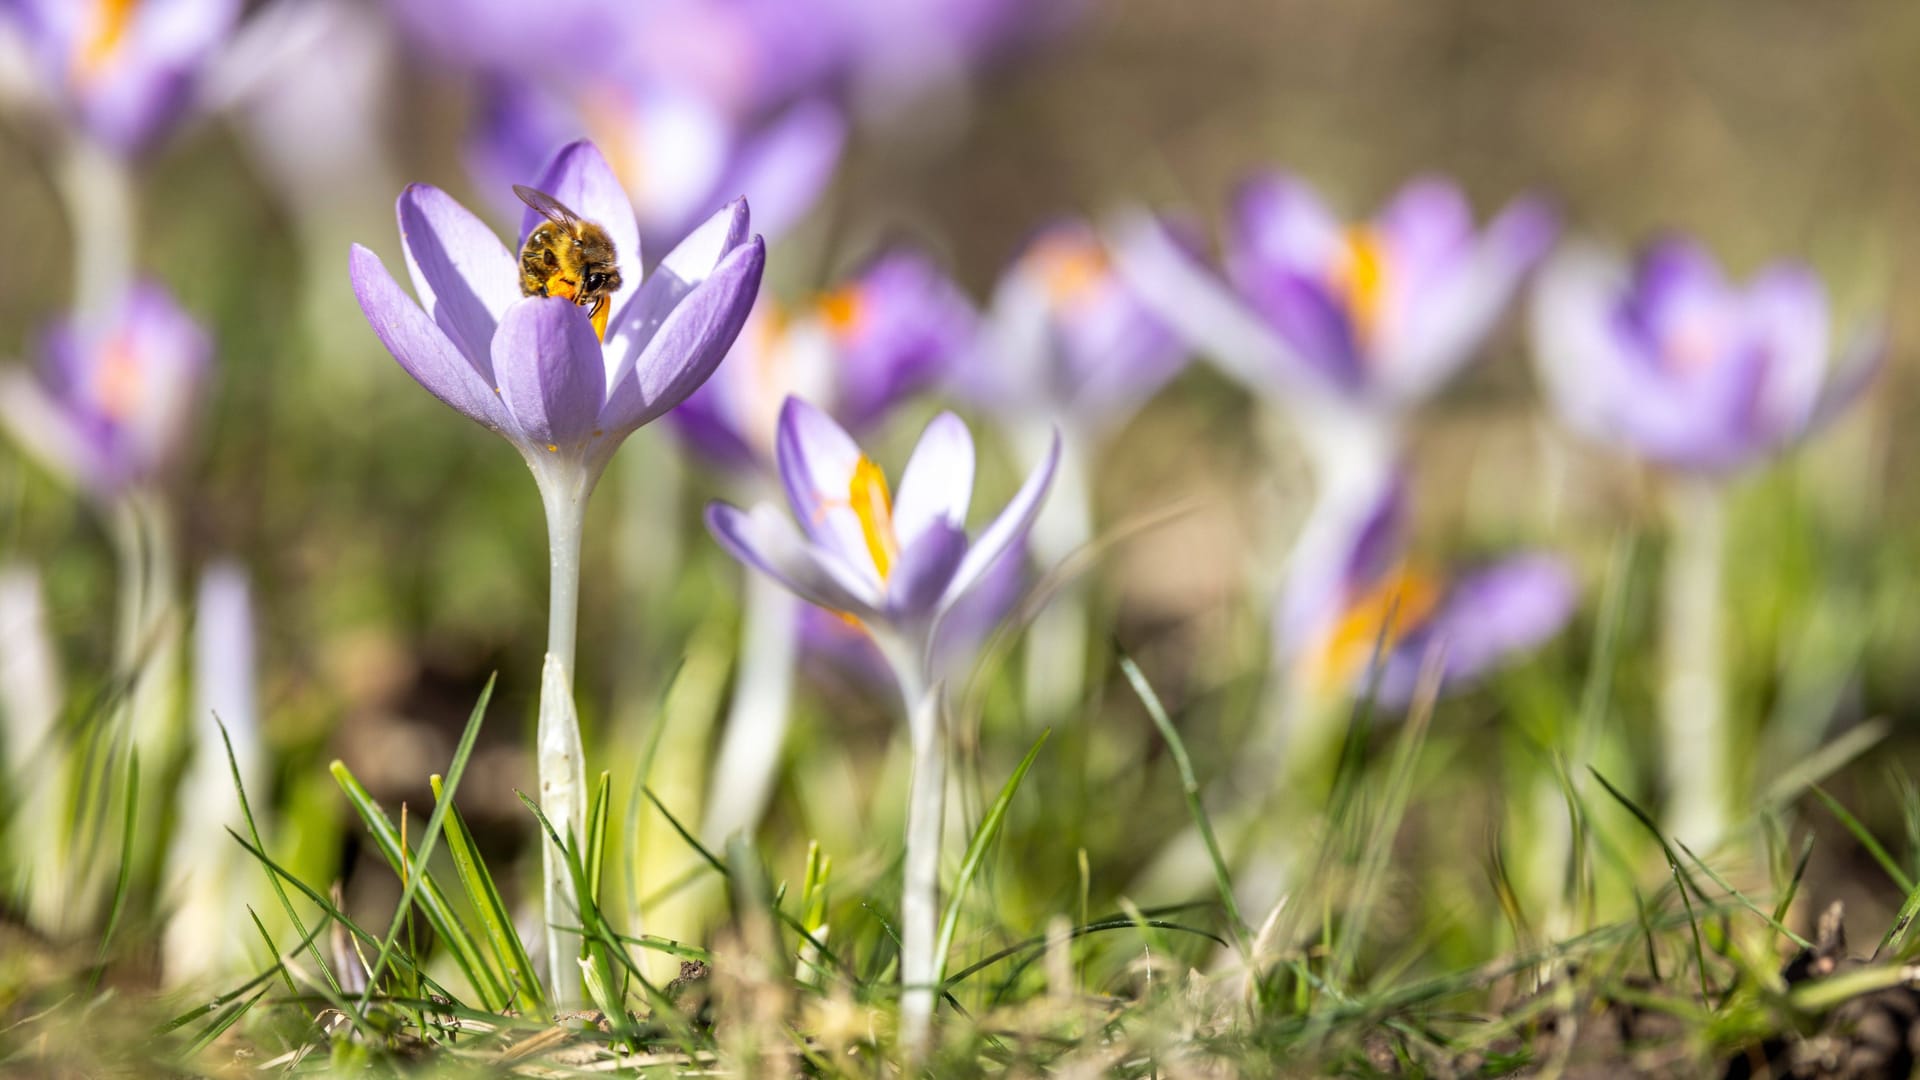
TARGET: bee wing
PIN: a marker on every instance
(548, 206)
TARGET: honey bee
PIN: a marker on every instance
(568, 256)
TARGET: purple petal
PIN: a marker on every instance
(582, 180)
(1428, 221)
(1006, 531)
(924, 571)
(548, 360)
(49, 432)
(896, 330)
(1786, 312)
(690, 342)
(421, 347)
(766, 540)
(1865, 355)
(817, 458)
(1315, 324)
(1279, 222)
(937, 485)
(1487, 618)
(465, 278)
(691, 262)
(783, 169)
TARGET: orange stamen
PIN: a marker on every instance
(1402, 601)
(873, 505)
(1361, 279)
(117, 381)
(1070, 267)
(111, 19)
(599, 318)
(843, 309)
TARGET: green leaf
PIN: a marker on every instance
(508, 949)
(983, 838)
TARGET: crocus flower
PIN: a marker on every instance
(858, 351)
(532, 368)
(125, 71)
(112, 402)
(1668, 359)
(1478, 619)
(899, 568)
(677, 152)
(535, 370)
(1374, 316)
(1068, 339)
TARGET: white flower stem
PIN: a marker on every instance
(926, 811)
(1696, 743)
(98, 190)
(1056, 646)
(561, 763)
(749, 759)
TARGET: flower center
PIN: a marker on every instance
(1402, 601)
(1071, 268)
(1360, 279)
(873, 505)
(110, 21)
(844, 310)
(117, 381)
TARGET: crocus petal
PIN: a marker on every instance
(1202, 308)
(1006, 531)
(1280, 221)
(690, 342)
(548, 360)
(48, 433)
(1865, 353)
(462, 274)
(1787, 309)
(766, 540)
(926, 567)
(783, 168)
(584, 183)
(937, 485)
(421, 347)
(691, 262)
(1487, 617)
(817, 458)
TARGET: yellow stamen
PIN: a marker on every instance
(111, 19)
(1361, 279)
(873, 505)
(1071, 267)
(1402, 601)
(843, 310)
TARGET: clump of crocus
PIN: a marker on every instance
(1067, 344)
(859, 350)
(899, 567)
(533, 370)
(1668, 360)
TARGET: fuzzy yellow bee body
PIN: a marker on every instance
(568, 256)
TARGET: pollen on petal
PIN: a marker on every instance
(553, 448)
(1400, 603)
(873, 505)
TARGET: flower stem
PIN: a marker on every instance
(749, 757)
(1693, 705)
(926, 810)
(98, 190)
(561, 763)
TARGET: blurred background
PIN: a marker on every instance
(396, 551)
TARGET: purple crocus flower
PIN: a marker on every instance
(858, 351)
(124, 70)
(898, 566)
(1670, 360)
(676, 151)
(1375, 316)
(531, 368)
(1479, 618)
(1068, 339)
(112, 401)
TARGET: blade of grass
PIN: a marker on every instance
(1190, 788)
(976, 854)
(125, 876)
(485, 897)
(1866, 839)
(1681, 881)
(1771, 920)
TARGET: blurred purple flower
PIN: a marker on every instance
(1668, 359)
(1067, 339)
(531, 368)
(1479, 619)
(676, 152)
(899, 567)
(111, 403)
(858, 351)
(1376, 316)
(124, 70)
